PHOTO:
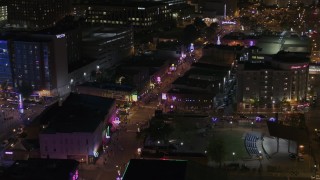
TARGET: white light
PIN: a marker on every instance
(59, 36)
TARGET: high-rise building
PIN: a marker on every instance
(36, 14)
(266, 86)
(136, 14)
(37, 60)
(3, 13)
(5, 67)
(285, 3)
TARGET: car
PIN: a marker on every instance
(293, 156)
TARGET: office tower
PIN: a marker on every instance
(36, 14)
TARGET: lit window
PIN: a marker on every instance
(247, 89)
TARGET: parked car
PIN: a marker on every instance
(293, 156)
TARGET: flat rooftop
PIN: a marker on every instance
(109, 86)
(78, 113)
(39, 169)
(147, 169)
(119, 3)
(189, 91)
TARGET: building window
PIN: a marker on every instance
(247, 89)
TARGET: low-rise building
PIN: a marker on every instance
(50, 169)
(78, 128)
(122, 93)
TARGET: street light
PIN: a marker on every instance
(231, 125)
(233, 154)
(251, 125)
(260, 159)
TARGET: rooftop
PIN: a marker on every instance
(115, 87)
(78, 113)
(142, 4)
(292, 57)
(224, 47)
(188, 91)
(146, 169)
(39, 169)
(101, 33)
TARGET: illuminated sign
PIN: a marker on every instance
(164, 96)
(141, 8)
(59, 36)
(158, 79)
(228, 22)
(298, 67)
(134, 97)
(108, 133)
(8, 152)
(257, 57)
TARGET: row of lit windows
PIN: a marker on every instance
(118, 22)
(192, 100)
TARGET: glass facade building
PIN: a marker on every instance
(5, 65)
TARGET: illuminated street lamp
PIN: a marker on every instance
(233, 154)
(231, 125)
(260, 159)
(251, 125)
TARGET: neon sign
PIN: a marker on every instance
(299, 67)
(228, 22)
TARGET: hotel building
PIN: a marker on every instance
(266, 86)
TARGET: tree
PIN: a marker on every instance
(159, 130)
(199, 23)
(216, 150)
(25, 89)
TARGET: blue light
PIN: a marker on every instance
(214, 119)
(272, 119)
